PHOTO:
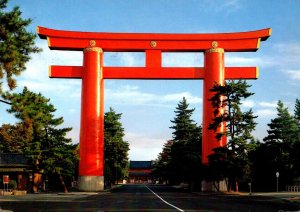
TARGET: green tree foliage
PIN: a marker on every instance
(181, 157)
(115, 148)
(162, 167)
(295, 153)
(12, 139)
(16, 44)
(280, 152)
(297, 112)
(283, 129)
(38, 136)
(239, 125)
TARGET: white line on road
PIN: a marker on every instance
(164, 200)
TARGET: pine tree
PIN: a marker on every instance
(44, 143)
(297, 112)
(184, 126)
(283, 129)
(282, 142)
(186, 149)
(16, 44)
(12, 139)
(162, 164)
(295, 154)
(115, 148)
(239, 126)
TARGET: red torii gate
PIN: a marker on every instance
(93, 73)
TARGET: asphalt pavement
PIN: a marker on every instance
(150, 198)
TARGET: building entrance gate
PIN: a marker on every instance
(93, 73)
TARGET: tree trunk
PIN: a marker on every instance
(216, 185)
(37, 180)
(236, 185)
(65, 189)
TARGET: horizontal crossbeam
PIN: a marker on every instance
(65, 72)
(167, 73)
(140, 42)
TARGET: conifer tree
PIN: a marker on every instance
(43, 142)
(186, 148)
(283, 129)
(16, 44)
(162, 164)
(295, 154)
(12, 139)
(239, 126)
(183, 126)
(115, 148)
(282, 143)
(297, 112)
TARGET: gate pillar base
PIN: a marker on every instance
(211, 186)
(91, 183)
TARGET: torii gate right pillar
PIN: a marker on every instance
(91, 164)
(214, 73)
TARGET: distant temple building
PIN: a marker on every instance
(140, 172)
(17, 168)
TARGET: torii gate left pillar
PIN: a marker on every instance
(93, 73)
(91, 165)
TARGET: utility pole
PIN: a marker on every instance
(277, 176)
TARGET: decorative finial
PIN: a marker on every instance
(92, 43)
(214, 44)
(153, 44)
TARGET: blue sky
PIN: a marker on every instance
(148, 106)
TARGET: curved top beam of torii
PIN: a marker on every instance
(118, 42)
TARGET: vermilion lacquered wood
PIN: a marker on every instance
(165, 46)
(91, 161)
(152, 73)
(47, 32)
(153, 58)
(167, 73)
(214, 73)
(234, 73)
(66, 72)
(72, 40)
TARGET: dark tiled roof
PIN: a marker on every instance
(141, 164)
(13, 159)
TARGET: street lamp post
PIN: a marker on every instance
(250, 192)
(277, 176)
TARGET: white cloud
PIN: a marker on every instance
(226, 7)
(36, 78)
(41, 86)
(272, 104)
(182, 60)
(266, 109)
(143, 147)
(133, 95)
(266, 112)
(126, 59)
(235, 61)
(129, 95)
(248, 103)
(42, 60)
(288, 55)
(293, 74)
(292, 48)
(178, 96)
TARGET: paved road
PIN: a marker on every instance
(146, 198)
